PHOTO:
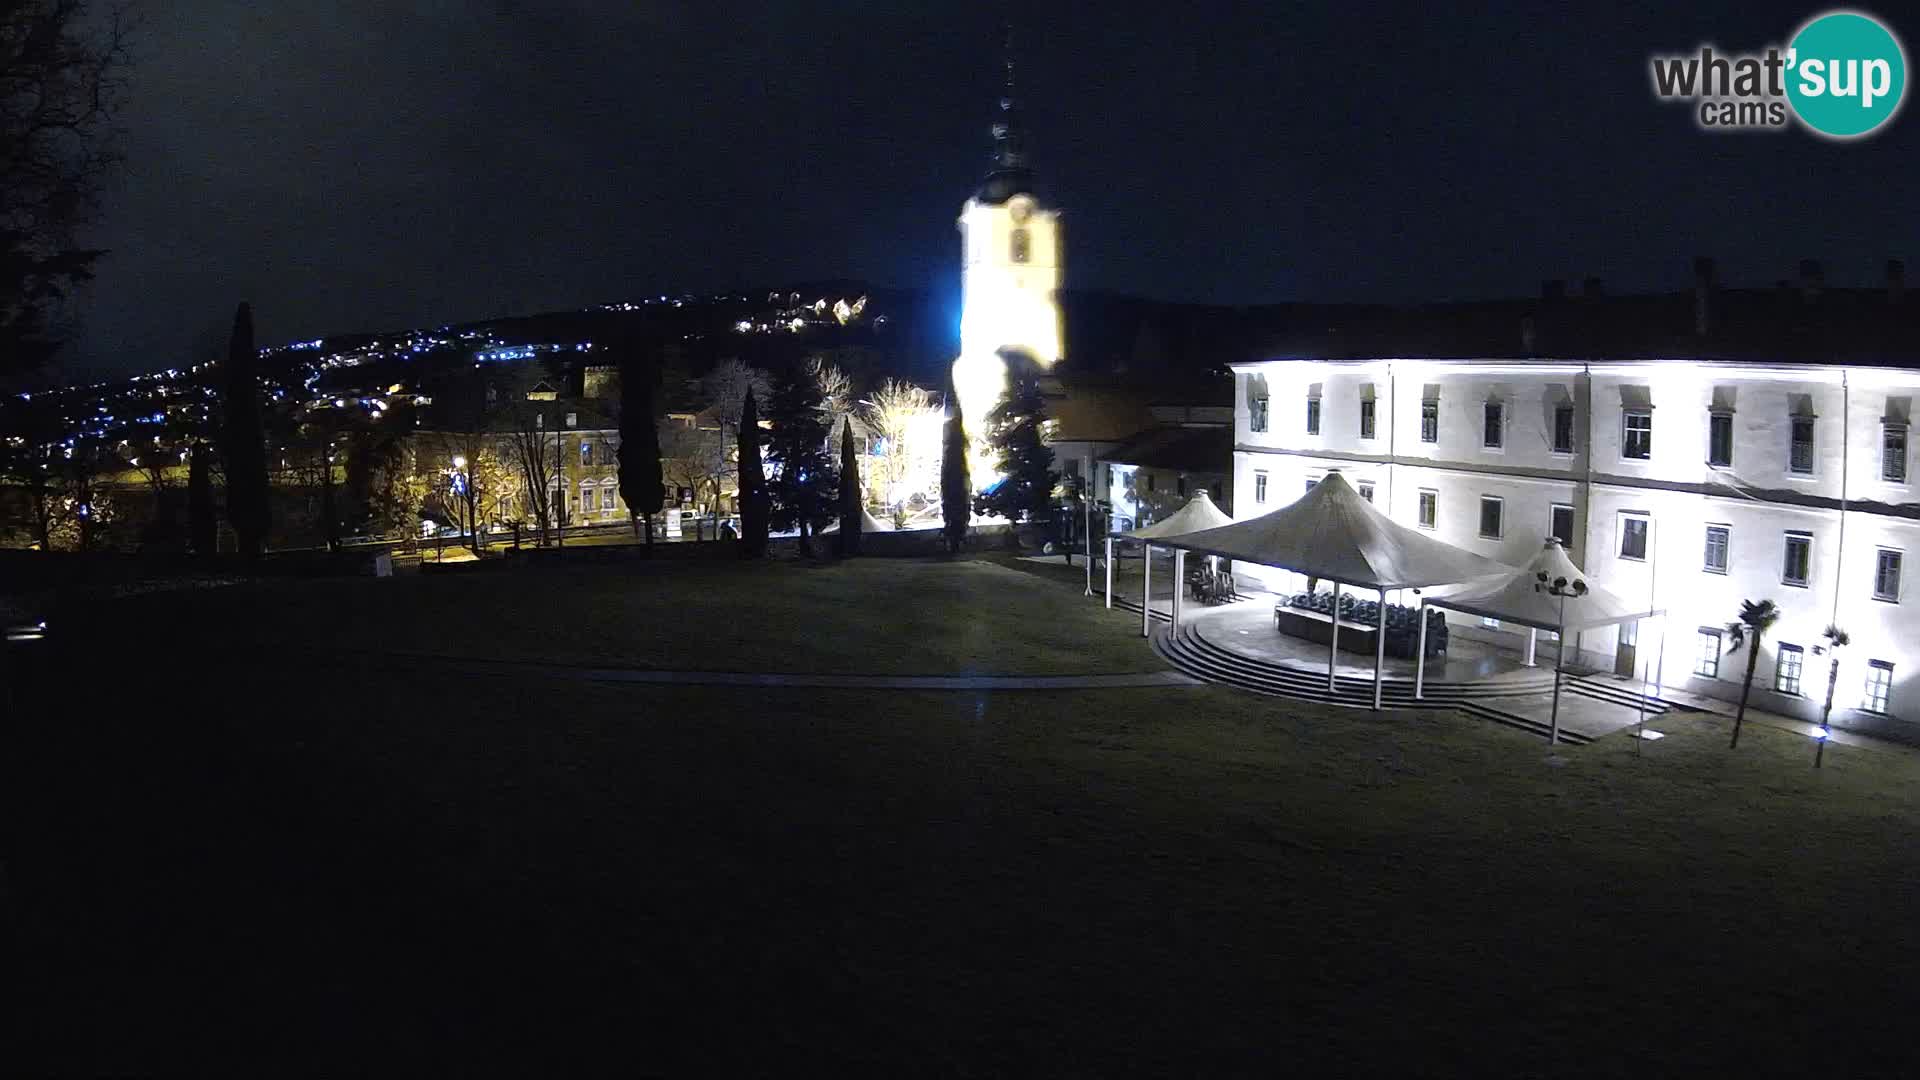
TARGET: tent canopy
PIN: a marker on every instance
(1331, 532)
(1199, 513)
(1513, 598)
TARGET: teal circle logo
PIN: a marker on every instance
(1846, 74)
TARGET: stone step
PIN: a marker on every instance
(1205, 661)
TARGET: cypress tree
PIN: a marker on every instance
(753, 483)
(245, 444)
(849, 494)
(956, 495)
(201, 531)
(640, 483)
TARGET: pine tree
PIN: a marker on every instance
(640, 483)
(244, 442)
(956, 490)
(805, 481)
(201, 531)
(752, 483)
(849, 494)
(1015, 431)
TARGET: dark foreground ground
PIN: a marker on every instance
(304, 858)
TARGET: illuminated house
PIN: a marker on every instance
(1011, 274)
(1695, 482)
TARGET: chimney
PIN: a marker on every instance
(1593, 289)
(1553, 289)
(1896, 282)
(1812, 280)
(1526, 335)
(1702, 295)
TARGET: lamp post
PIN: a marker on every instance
(1562, 588)
(466, 497)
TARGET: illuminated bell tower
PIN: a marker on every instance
(1010, 273)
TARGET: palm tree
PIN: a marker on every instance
(1754, 621)
(1837, 639)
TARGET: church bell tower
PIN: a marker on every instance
(1011, 270)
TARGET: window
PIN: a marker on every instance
(1719, 538)
(587, 499)
(1797, 559)
(606, 498)
(1886, 576)
(1633, 536)
(1312, 480)
(1429, 507)
(572, 419)
(1366, 490)
(1879, 686)
(1706, 653)
(1260, 487)
(1366, 418)
(1637, 440)
(1560, 525)
(586, 452)
(1494, 426)
(1893, 453)
(1786, 669)
(1492, 510)
(1151, 482)
(1020, 246)
(1257, 413)
(559, 502)
(1720, 439)
(1563, 429)
(1180, 485)
(1313, 416)
(1429, 421)
(1800, 457)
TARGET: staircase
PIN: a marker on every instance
(1188, 651)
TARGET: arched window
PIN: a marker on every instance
(1021, 246)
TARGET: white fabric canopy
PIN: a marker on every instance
(1514, 599)
(868, 524)
(1199, 513)
(1333, 533)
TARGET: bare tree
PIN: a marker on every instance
(62, 66)
(907, 418)
(835, 389)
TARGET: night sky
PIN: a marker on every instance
(362, 165)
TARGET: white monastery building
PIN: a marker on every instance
(1694, 483)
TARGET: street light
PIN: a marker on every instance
(1561, 588)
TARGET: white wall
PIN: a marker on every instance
(1757, 498)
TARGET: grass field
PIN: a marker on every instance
(336, 868)
(875, 616)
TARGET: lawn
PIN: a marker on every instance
(868, 616)
(336, 868)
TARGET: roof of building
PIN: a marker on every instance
(1193, 449)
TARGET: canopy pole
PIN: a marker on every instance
(1559, 653)
(1379, 650)
(1333, 639)
(1146, 590)
(1533, 641)
(1109, 571)
(1420, 657)
(1660, 661)
(1179, 585)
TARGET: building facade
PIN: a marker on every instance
(1697, 485)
